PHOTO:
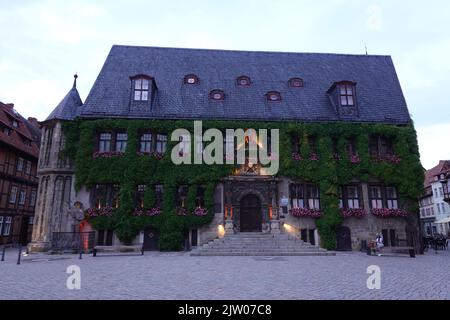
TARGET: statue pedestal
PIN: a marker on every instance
(229, 228)
(275, 226)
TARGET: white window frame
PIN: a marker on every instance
(13, 195)
(7, 227)
(20, 162)
(22, 196)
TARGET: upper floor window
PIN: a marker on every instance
(347, 94)
(191, 79)
(380, 146)
(104, 144)
(27, 142)
(217, 95)
(13, 195)
(15, 123)
(295, 83)
(146, 143)
(121, 142)
(181, 195)
(20, 162)
(106, 195)
(141, 88)
(350, 146)
(161, 143)
(28, 168)
(304, 196)
(383, 197)
(273, 96)
(22, 196)
(243, 81)
(200, 197)
(33, 198)
(349, 197)
(159, 195)
(140, 194)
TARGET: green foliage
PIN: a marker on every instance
(131, 170)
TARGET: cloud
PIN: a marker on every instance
(374, 20)
(433, 144)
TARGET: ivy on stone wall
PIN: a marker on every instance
(325, 170)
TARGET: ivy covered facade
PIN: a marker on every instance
(349, 164)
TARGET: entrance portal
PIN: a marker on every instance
(250, 214)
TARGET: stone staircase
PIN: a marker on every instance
(259, 244)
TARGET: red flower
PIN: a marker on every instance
(296, 156)
(200, 211)
(305, 212)
(385, 212)
(346, 213)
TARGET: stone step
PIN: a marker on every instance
(267, 253)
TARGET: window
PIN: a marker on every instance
(159, 195)
(438, 208)
(350, 146)
(200, 197)
(376, 197)
(106, 195)
(20, 162)
(13, 195)
(443, 207)
(217, 95)
(295, 143)
(273, 96)
(181, 195)
(140, 194)
(349, 197)
(146, 143)
(27, 142)
(380, 146)
(391, 198)
(297, 196)
(28, 168)
(295, 83)
(312, 144)
(141, 86)
(435, 193)
(7, 226)
(22, 196)
(15, 123)
(243, 81)
(105, 142)
(121, 142)
(33, 198)
(6, 130)
(161, 141)
(346, 93)
(441, 192)
(312, 194)
(191, 79)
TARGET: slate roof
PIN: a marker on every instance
(379, 95)
(68, 108)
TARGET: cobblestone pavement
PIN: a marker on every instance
(180, 276)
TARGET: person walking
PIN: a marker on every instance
(379, 243)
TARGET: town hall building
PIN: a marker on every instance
(349, 165)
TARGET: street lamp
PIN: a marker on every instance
(445, 188)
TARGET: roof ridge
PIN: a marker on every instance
(256, 51)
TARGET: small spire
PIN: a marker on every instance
(365, 46)
(75, 76)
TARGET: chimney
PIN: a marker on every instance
(34, 122)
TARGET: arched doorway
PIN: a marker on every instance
(250, 214)
(343, 239)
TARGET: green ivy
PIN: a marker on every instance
(327, 172)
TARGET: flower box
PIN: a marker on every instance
(305, 212)
(157, 155)
(147, 213)
(99, 212)
(313, 157)
(387, 158)
(385, 212)
(200, 211)
(296, 156)
(107, 154)
(347, 213)
(354, 159)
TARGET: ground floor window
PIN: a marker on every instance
(383, 197)
(5, 225)
(105, 237)
(106, 195)
(304, 196)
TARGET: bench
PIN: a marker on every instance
(119, 248)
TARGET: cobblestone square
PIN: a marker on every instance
(180, 276)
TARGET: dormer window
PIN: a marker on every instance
(243, 81)
(273, 96)
(191, 79)
(15, 123)
(296, 83)
(141, 87)
(347, 94)
(217, 95)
